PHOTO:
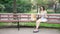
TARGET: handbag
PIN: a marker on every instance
(33, 17)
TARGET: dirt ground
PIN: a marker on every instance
(28, 31)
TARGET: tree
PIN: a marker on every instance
(23, 6)
(59, 1)
(8, 5)
(2, 7)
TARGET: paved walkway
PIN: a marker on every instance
(29, 31)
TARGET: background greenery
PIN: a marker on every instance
(25, 6)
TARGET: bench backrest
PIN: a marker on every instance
(54, 18)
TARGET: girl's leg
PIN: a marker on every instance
(37, 24)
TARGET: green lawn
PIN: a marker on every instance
(32, 24)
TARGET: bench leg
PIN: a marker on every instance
(18, 25)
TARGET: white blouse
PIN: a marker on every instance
(43, 14)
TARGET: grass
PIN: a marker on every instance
(2, 24)
(42, 24)
(32, 24)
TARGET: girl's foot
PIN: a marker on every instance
(35, 31)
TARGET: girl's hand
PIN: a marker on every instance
(46, 16)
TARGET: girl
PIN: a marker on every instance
(42, 19)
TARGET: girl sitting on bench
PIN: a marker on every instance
(42, 19)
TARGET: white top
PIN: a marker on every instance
(43, 13)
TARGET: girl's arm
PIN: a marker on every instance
(46, 14)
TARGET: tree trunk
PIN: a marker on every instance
(14, 6)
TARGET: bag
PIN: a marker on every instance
(33, 17)
(38, 17)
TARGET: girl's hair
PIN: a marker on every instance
(42, 7)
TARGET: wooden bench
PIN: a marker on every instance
(52, 18)
(21, 17)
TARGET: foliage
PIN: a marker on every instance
(8, 4)
(23, 6)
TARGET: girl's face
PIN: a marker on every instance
(41, 8)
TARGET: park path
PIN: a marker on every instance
(29, 31)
